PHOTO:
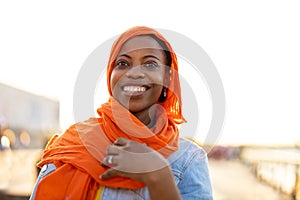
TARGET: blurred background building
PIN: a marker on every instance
(26, 118)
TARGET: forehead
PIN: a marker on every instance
(139, 43)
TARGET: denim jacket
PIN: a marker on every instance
(190, 169)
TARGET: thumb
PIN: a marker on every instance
(121, 141)
(110, 173)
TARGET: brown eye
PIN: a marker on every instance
(121, 64)
(151, 65)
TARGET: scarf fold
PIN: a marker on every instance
(78, 152)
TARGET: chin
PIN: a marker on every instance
(136, 108)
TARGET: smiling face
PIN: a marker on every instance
(139, 74)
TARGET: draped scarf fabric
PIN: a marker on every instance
(78, 152)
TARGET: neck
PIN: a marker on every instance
(147, 117)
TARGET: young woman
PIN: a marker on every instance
(132, 150)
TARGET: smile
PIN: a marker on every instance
(134, 90)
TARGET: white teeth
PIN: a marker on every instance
(134, 89)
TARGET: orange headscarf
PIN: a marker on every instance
(78, 152)
(172, 104)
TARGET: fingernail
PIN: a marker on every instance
(102, 176)
(116, 141)
(103, 164)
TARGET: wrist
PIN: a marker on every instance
(159, 176)
(163, 186)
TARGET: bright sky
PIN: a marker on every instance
(255, 46)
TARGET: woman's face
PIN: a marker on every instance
(139, 74)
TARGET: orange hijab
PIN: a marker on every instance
(78, 152)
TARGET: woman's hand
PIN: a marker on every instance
(133, 160)
(137, 161)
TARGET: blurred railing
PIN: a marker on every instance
(279, 167)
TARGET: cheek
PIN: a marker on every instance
(159, 79)
(114, 78)
(157, 91)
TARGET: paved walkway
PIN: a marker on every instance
(232, 180)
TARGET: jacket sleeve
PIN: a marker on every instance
(195, 179)
(46, 169)
(191, 172)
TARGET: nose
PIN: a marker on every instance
(135, 72)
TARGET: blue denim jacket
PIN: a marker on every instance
(189, 166)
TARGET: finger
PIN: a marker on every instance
(110, 160)
(121, 142)
(103, 164)
(112, 150)
(109, 174)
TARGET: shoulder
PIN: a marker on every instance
(91, 125)
(188, 145)
(187, 152)
(46, 169)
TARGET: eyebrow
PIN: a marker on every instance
(144, 57)
(151, 56)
